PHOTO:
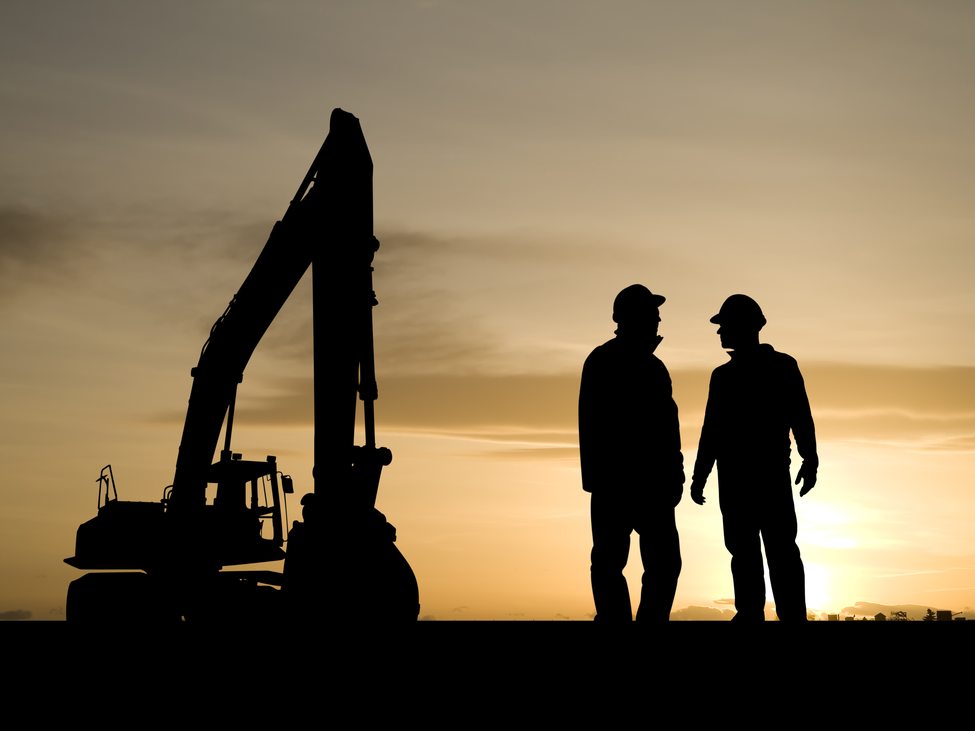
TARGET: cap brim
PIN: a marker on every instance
(658, 300)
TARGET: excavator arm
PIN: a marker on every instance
(329, 221)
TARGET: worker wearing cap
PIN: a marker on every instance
(753, 403)
(629, 442)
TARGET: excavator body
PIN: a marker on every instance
(164, 561)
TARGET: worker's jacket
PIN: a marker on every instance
(629, 434)
(754, 401)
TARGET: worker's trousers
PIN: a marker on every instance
(754, 513)
(614, 518)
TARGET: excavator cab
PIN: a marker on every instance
(134, 544)
(136, 535)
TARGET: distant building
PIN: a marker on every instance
(941, 615)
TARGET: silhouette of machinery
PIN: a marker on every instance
(163, 561)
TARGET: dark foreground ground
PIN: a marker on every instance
(506, 674)
(560, 646)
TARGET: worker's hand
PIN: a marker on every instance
(807, 475)
(697, 492)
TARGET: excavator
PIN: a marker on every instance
(167, 561)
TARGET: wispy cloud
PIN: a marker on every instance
(452, 353)
(146, 258)
(39, 248)
(930, 409)
(535, 416)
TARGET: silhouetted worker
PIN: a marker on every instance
(754, 400)
(629, 443)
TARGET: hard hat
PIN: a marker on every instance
(635, 302)
(741, 310)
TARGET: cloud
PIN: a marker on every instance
(532, 416)
(701, 614)
(931, 409)
(502, 407)
(923, 408)
(452, 357)
(436, 294)
(449, 305)
(15, 614)
(532, 454)
(173, 267)
(471, 304)
(947, 392)
(38, 247)
(26, 236)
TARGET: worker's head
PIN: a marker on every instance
(740, 319)
(637, 308)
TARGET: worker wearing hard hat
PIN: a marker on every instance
(629, 443)
(753, 403)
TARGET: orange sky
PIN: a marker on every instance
(531, 160)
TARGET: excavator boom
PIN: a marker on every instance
(332, 206)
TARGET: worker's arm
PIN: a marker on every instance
(594, 436)
(804, 431)
(706, 448)
(672, 459)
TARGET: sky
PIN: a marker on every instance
(531, 159)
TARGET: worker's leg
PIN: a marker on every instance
(610, 549)
(786, 573)
(660, 552)
(744, 543)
